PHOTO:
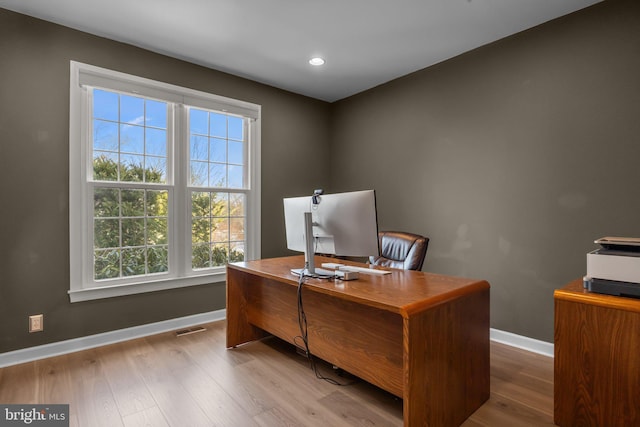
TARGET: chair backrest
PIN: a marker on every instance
(401, 250)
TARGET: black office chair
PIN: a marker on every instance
(401, 250)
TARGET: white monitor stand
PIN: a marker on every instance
(309, 253)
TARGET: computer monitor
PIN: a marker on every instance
(344, 224)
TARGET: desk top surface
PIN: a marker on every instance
(401, 291)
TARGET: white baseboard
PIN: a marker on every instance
(520, 341)
(77, 344)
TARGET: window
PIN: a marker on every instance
(164, 184)
(217, 158)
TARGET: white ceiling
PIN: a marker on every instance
(365, 42)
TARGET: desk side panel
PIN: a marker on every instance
(446, 361)
(596, 369)
(239, 330)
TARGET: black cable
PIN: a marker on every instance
(304, 336)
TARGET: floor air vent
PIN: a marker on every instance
(189, 331)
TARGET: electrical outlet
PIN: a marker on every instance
(36, 323)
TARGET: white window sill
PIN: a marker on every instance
(87, 294)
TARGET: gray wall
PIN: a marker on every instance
(34, 171)
(512, 158)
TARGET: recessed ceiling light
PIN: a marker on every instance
(316, 61)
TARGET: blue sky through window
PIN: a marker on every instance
(130, 130)
(217, 149)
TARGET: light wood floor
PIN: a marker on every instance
(192, 380)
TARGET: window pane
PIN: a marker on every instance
(105, 166)
(217, 175)
(157, 203)
(236, 128)
(218, 150)
(200, 204)
(221, 153)
(158, 259)
(220, 204)
(200, 256)
(105, 105)
(198, 148)
(133, 231)
(236, 178)
(236, 229)
(105, 135)
(106, 202)
(131, 168)
(218, 125)
(237, 205)
(156, 170)
(219, 255)
(132, 139)
(198, 121)
(156, 142)
(157, 231)
(236, 152)
(220, 230)
(156, 114)
(140, 151)
(106, 264)
(201, 230)
(212, 223)
(131, 109)
(132, 202)
(106, 233)
(236, 252)
(133, 262)
(199, 173)
(134, 225)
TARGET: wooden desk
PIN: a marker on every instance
(423, 337)
(597, 358)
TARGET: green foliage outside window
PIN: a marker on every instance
(212, 228)
(131, 225)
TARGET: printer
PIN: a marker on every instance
(614, 268)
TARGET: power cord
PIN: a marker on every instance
(304, 336)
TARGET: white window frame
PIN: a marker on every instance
(82, 285)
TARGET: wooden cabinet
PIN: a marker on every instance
(597, 358)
